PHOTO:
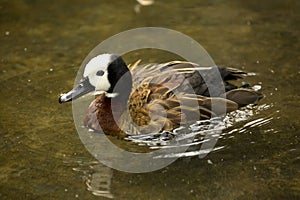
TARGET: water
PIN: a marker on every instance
(42, 46)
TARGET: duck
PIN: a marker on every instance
(139, 99)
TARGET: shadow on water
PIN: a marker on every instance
(257, 155)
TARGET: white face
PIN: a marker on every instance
(93, 71)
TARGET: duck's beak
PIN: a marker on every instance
(81, 89)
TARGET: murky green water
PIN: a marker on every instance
(42, 46)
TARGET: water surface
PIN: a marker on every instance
(42, 46)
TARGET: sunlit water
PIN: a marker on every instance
(42, 46)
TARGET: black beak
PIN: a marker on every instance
(81, 89)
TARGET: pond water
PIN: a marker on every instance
(42, 46)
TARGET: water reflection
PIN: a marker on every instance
(97, 177)
(141, 3)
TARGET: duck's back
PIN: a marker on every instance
(179, 74)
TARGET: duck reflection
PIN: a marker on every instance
(99, 181)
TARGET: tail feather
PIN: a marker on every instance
(244, 96)
(228, 74)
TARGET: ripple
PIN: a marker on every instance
(201, 137)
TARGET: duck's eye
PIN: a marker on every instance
(100, 73)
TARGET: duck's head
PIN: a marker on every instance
(105, 73)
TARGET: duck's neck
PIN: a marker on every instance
(108, 111)
(117, 105)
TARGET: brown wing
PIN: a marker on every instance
(164, 96)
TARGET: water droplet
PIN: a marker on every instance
(209, 162)
(256, 87)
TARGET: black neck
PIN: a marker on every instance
(120, 79)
